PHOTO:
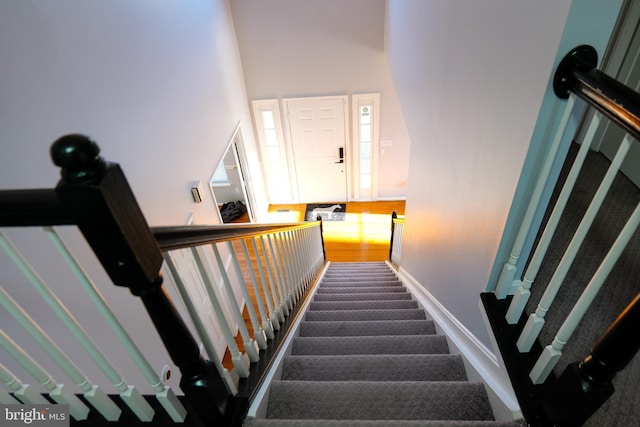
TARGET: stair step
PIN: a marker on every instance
(359, 289)
(403, 367)
(367, 265)
(252, 422)
(404, 314)
(369, 278)
(366, 328)
(346, 283)
(362, 305)
(385, 296)
(390, 344)
(387, 400)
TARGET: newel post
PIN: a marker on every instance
(583, 387)
(394, 215)
(101, 203)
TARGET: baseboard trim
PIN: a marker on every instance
(483, 360)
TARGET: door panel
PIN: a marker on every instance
(317, 127)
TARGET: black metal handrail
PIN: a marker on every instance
(577, 74)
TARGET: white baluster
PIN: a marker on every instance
(250, 346)
(60, 394)
(23, 392)
(93, 394)
(521, 297)
(508, 273)
(278, 278)
(231, 382)
(306, 257)
(269, 295)
(258, 333)
(297, 250)
(286, 267)
(128, 393)
(266, 323)
(551, 354)
(273, 285)
(165, 395)
(536, 320)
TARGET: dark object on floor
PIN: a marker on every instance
(327, 211)
(232, 210)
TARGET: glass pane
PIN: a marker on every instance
(365, 181)
(220, 175)
(365, 132)
(272, 138)
(365, 150)
(365, 115)
(365, 166)
(267, 119)
(274, 155)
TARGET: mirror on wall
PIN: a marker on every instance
(228, 187)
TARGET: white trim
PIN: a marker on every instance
(483, 360)
(286, 166)
(372, 99)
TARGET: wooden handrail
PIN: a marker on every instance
(32, 207)
(177, 237)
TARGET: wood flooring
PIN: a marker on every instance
(363, 236)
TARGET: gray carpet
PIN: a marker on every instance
(619, 289)
(367, 356)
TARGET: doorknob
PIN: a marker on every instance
(341, 154)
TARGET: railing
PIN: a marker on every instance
(583, 386)
(395, 244)
(261, 270)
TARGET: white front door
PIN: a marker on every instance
(318, 135)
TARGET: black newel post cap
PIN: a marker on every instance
(78, 156)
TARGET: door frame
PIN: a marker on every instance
(348, 147)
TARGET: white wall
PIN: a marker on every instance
(291, 48)
(470, 77)
(158, 85)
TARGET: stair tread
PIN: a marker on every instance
(379, 400)
(398, 314)
(366, 328)
(362, 305)
(385, 367)
(390, 344)
(359, 289)
(385, 296)
(364, 283)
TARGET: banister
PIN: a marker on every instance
(577, 74)
(177, 237)
(105, 210)
(42, 207)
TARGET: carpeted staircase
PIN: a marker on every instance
(366, 355)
